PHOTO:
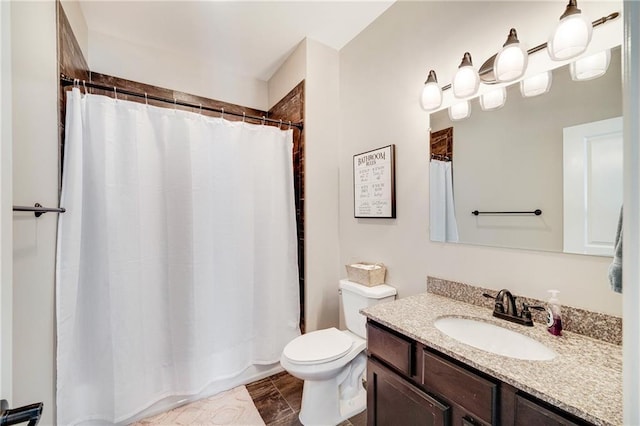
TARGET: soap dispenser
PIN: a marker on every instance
(554, 318)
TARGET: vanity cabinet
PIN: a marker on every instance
(411, 384)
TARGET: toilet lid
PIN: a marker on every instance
(318, 346)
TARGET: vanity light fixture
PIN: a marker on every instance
(511, 61)
(591, 67)
(536, 85)
(571, 38)
(572, 35)
(431, 97)
(466, 80)
(494, 99)
(460, 111)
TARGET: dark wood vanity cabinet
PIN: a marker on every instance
(410, 384)
(393, 400)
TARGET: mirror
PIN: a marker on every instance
(559, 152)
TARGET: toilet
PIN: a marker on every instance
(332, 362)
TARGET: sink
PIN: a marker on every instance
(493, 338)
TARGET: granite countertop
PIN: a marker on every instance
(584, 379)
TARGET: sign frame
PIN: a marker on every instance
(374, 184)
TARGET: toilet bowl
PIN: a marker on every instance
(332, 362)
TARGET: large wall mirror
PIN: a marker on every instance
(559, 152)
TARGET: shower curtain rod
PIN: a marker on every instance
(68, 81)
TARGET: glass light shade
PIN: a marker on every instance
(536, 85)
(494, 99)
(570, 38)
(465, 82)
(511, 62)
(591, 67)
(460, 111)
(431, 96)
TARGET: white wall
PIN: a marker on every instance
(35, 179)
(150, 65)
(292, 71)
(322, 260)
(6, 215)
(381, 74)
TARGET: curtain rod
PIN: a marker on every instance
(68, 81)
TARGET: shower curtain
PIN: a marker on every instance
(442, 216)
(177, 256)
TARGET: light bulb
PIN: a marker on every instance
(572, 35)
(460, 111)
(511, 61)
(591, 67)
(466, 80)
(494, 99)
(536, 85)
(431, 97)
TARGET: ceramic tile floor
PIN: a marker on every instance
(278, 399)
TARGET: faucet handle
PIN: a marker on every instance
(498, 306)
(526, 313)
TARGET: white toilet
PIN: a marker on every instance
(332, 362)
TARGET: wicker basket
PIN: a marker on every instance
(363, 273)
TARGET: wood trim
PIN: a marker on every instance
(441, 144)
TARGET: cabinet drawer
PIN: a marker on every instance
(391, 349)
(456, 384)
(529, 413)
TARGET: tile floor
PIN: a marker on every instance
(278, 399)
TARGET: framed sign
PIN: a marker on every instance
(374, 183)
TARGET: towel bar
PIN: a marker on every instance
(38, 209)
(536, 212)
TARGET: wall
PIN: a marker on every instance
(318, 65)
(321, 187)
(73, 11)
(6, 215)
(157, 67)
(290, 73)
(35, 179)
(511, 159)
(381, 74)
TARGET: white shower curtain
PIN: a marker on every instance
(177, 256)
(442, 216)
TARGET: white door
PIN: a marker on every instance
(592, 168)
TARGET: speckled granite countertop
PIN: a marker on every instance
(585, 378)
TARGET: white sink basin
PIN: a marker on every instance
(493, 338)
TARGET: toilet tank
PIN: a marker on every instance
(357, 296)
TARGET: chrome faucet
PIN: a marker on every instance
(505, 308)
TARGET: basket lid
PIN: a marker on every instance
(379, 291)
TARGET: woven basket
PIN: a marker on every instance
(368, 277)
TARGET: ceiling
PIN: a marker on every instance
(252, 38)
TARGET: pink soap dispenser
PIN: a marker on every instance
(554, 318)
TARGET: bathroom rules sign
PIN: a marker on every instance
(374, 183)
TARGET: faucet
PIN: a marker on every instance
(505, 308)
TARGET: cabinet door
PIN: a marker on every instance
(475, 395)
(529, 413)
(391, 400)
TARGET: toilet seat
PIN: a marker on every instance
(318, 347)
